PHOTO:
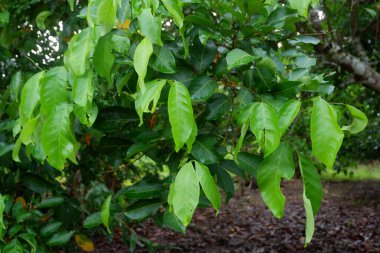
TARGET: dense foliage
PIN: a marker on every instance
(157, 105)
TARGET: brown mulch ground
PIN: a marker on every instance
(349, 221)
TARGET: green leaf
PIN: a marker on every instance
(164, 61)
(30, 97)
(326, 135)
(2, 207)
(142, 208)
(265, 126)
(50, 228)
(50, 202)
(120, 43)
(142, 190)
(249, 162)
(83, 89)
(53, 90)
(287, 114)
(31, 240)
(193, 136)
(13, 246)
(208, 185)
(218, 106)
(92, 221)
(312, 194)
(225, 182)
(71, 4)
(185, 193)
(15, 86)
(27, 131)
(180, 114)
(40, 19)
(58, 140)
(175, 8)
(274, 167)
(103, 57)
(150, 26)
(4, 18)
(106, 15)
(76, 56)
(204, 151)
(60, 238)
(172, 222)
(147, 101)
(105, 212)
(202, 88)
(141, 59)
(302, 6)
(237, 58)
(36, 183)
(359, 122)
(87, 114)
(202, 55)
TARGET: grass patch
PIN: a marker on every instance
(361, 172)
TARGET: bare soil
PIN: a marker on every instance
(349, 221)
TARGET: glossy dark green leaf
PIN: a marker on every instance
(326, 134)
(274, 167)
(359, 121)
(29, 239)
(249, 162)
(13, 246)
(150, 26)
(232, 167)
(202, 88)
(40, 19)
(201, 56)
(217, 107)
(50, 228)
(164, 61)
(103, 57)
(185, 193)
(225, 182)
(142, 209)
(2, 207)
(180, 114)
(50, 202)
(204, 151)
(142, 190)
(60, 238)
(36, 183)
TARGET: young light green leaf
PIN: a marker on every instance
(27, 131)
(71, 4)
(237, 58)
(106, 15)
(40, 19)
(180, 114)
(93, 221)
(141, 59)
(58, 140)
(185, 193)
(76, 56)
(287, 114)
(326, 135)
(30, 97)
(274, 167)
(150, 26)
(208, 185)
(191, 140)
(152, 94)
(104, 58)
(86, 114)
(302, 6)
(53, 90)
(15, 86)
(265, 126)
(105, 212)
(83, 89)
(312, 193)
(175, 8)
(359, 122)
